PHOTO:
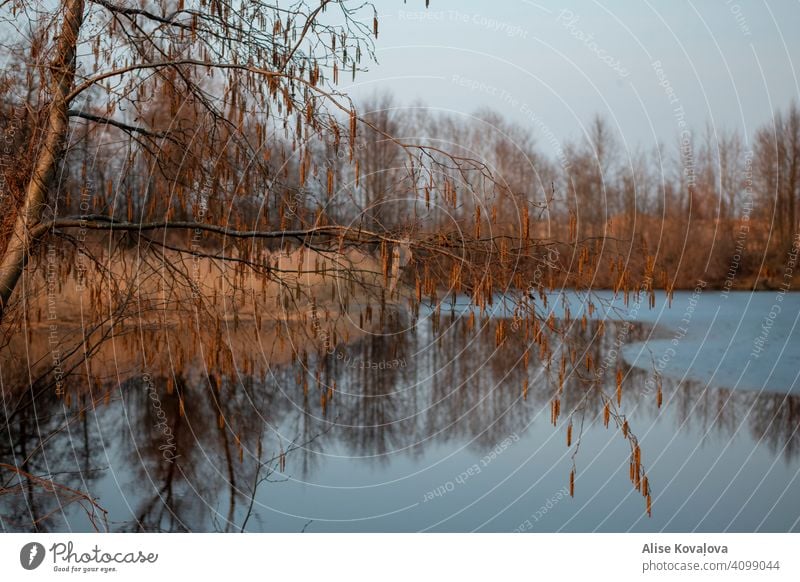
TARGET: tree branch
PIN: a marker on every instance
(117, 124)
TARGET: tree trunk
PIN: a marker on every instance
(794, 129)
(62, 68)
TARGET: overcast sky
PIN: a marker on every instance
(647, 65)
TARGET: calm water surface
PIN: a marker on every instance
(430, 431)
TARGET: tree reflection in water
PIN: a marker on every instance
(182, 450)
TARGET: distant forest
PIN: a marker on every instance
(715, 205)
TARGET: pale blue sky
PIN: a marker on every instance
(729, 62)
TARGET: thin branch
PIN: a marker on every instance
(118, 124)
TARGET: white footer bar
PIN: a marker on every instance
(381, 557)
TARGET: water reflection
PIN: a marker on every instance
(164, 446)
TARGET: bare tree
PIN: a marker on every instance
(777, 172)
(198, 94)
(380, 184)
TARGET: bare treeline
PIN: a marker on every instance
(714, 205)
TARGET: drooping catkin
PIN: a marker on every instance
(572, 483)
(500, 333)
(526, 223)
(555, 410)
(353, 124)
(659, 396)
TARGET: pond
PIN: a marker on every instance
(443, 424)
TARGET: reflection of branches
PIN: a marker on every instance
(266, 468)
(467, 391)
(93, 509)
(583, 373)
(773, 419)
